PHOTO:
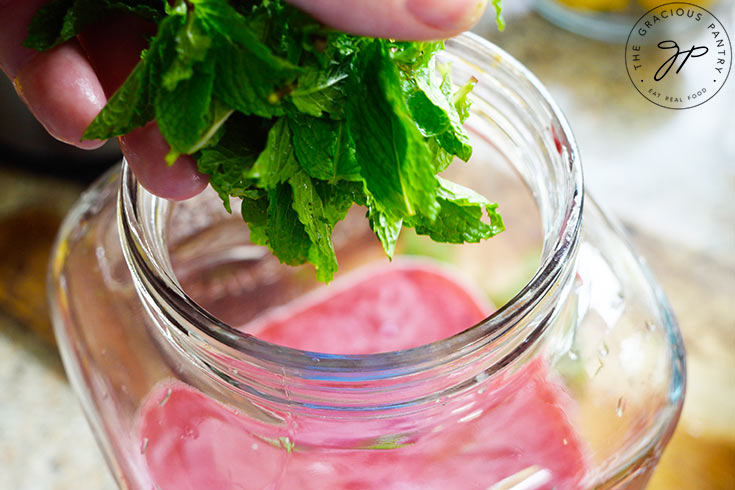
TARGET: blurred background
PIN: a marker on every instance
(668, 176)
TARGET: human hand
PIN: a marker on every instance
(66, 87)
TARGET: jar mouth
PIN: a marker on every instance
(142, 221)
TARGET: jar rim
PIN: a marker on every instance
(156, 283)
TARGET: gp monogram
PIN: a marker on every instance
(678, 55)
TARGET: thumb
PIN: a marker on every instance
(397, 19)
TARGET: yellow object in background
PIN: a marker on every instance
(651, 4)
(598, 5)
(620, 5)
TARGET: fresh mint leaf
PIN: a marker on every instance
(455, 140)
(228, 171)
(299, 121)
(460, 218)
(411, 56)
(250, 77)
(150, 10)
(277, 163)
(46, 27)
(321, 91)
(385, 228)
(132, 105)
(230, 157)
(430, 118)
(247, 84)
(192, 43)
(255, 210)
(286, 235)
(236, 29)
(324, 148)
(184, 114)
(395, 161)
(434, 110)
(499, 14)
(255, 213)
(60, 20)
(461, 100)
(338, 199)
(127, 109)
(309, 207)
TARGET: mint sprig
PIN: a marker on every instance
(60, 20)
(297, 120)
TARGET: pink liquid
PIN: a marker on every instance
(190, 441)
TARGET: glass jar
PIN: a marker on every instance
(605, 20)
(575, 381)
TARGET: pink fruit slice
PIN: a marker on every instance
(517, 424)
(388, 308)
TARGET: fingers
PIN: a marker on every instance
(59, 86)
(145, 150)
(397, 19)
(113, 47)
(61, 89)
(64, 92)
(15, 15)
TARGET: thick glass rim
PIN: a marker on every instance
(156, 283)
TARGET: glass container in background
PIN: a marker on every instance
(604, 20)
(575, 381)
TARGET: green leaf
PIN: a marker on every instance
(192, 43)
(255, 210)
(455, 140)
(394, 159)
(338, 199)
(229, 160)
(433, 108)
(277, 163)
(442, 158)
(498, 14)
(287, 238)
(150, 10)
(297, 120)
(460, 217)
(255, 213)
(321, 91)
(227, 22)
(324, 148)
(385, 228)
(250, 76)
(44, 31)
(228, 171)
(60, 20)
(184, 114)
(431, 119)
(127, 109)
(461, 100)
(308, 205)
(247, 84)
(132, 105)
(411, 56)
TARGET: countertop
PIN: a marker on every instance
(669, 176)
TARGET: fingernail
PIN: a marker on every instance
(447, 15)
(145, 149)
